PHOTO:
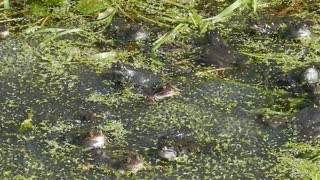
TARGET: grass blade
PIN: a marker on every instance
(61, 34)
(165, 38)
(230, 9)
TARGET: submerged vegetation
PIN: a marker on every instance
(243, 78)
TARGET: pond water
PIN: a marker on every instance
(220, 112)
(54, 88)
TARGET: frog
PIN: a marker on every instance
(143, 81)
(295, 29)
(285, 27)
(163, 92)
(273, 121)
(88, 138)
(138, 33)
(218, 54)
(118, 158)
(176, 143)
(265, 24)
(131, 162)
(4, 32)
(129, 31)
(308, 123)
(93, 139)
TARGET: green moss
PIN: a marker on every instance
(92, 6)
(39, 10)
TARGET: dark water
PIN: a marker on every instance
(219, 112)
